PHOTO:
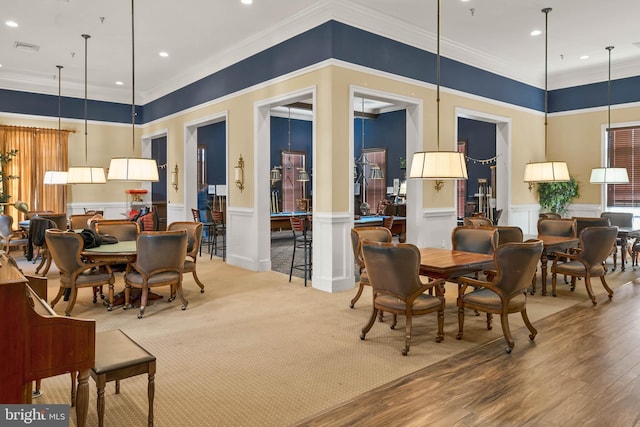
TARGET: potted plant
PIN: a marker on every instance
(5, 159)
(556, 196)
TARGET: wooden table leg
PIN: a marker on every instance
(543, 269)
(151, 391)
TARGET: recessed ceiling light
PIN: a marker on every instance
(536, 32)
(247, 1)
(163, 54)
(12, 24)
(119, 83)
(584, 57)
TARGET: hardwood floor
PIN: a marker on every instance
(582, 369)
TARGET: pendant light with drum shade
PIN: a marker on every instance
(438, 165)
(57, 177)
(85, 174)
(546, 171)
(609, 175)
(133, 168)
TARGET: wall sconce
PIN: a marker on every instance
(239, 174)
(174, 177)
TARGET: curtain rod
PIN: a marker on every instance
(35, 128)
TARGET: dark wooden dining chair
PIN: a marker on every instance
(151, 270)
(65, 248)
(588, 261)
(10, 237)
(619, 219)
(549, 215)
(477, 221)
(509, 234)
(394, 274)
(194, 237)
(374, 234)
(506, 292)
(121, 229)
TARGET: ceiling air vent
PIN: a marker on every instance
(27, 47)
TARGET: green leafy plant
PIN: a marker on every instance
(556, 196)
(5, 159)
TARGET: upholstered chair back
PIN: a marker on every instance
(478, 239)
(6, 226)
(65, 248)
(374, 234)
(564, 227)
(392, 268)
(509, 234)
(194, 235)
(477, 221)
(161, 250)
(516, 264)
(123, 230)
(584, 222)
(596, 244)
(619, 219)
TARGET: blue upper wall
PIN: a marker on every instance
(330, 40)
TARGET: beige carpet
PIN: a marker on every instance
(256, 350)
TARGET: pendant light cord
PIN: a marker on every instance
(85, 37)
(609, 48)
(546, 75)
(438, 78)
(133, 81)
(60, 67)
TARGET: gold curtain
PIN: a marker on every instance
(39, 150)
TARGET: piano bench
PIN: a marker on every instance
(119, 357)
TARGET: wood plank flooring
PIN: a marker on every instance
(582, 369)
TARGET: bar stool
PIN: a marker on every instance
(301, 240)
(207, 230)
(219, 229)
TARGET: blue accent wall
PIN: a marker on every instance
(301, 140)
(214, 136)
(331, 39)
(481, 145)
(388, 130)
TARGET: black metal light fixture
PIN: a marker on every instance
(609, 175)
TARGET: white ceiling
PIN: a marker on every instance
(203, 36)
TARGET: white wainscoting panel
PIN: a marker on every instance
(333, 264)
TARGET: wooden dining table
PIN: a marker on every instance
(441, 263)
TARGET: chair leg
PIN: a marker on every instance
(358, 294)
(528, 324)
(58, 296)
(460, 322)
(504, 320)
(440, 335)
(369, 324)
(489, 319)
(587, 282)
(606, 286)
(407, 334)
(293, 257)
(143, 300)
(72, 301)
(554, 280)
(198, 282)
(181, 295)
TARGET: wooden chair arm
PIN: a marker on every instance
(464, 282)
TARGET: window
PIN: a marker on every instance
(202, 165)
(376, 188)
(623, 151)
(293, 190)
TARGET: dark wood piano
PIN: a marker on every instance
(36, 343)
